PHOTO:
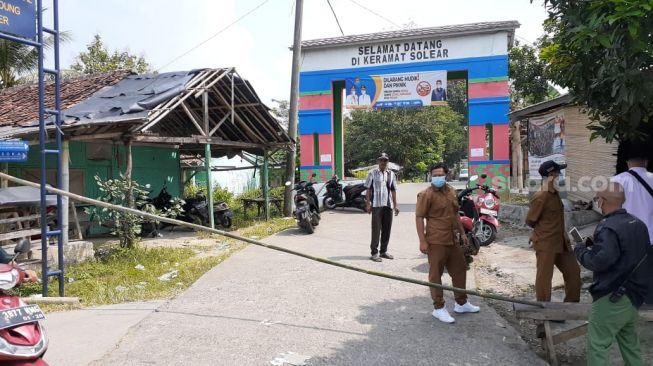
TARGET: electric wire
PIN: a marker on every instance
(375, 13)
(335, 16)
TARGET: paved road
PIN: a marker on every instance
(262, 307)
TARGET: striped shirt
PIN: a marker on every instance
(381, 183)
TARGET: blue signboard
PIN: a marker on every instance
(14, 151)
(18, 17)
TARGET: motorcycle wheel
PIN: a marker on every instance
(226, 222)
(194, 219)
(308, 226)
(488, 234)
(329, 203)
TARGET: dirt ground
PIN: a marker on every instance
(507, 267)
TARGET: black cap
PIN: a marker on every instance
(550, 166)
(383, 156)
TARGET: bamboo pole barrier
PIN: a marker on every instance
(168, 220)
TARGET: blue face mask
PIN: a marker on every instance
(438, 182)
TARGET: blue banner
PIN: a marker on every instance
(18, 17)
(13, 151)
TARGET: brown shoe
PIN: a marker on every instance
(387, 256)
(375, 258)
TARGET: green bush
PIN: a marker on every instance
(190, 190)
(361, 174)
(223, 195)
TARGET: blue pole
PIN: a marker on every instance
(57, 101)
(42, 139)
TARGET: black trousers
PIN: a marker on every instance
(381, 227)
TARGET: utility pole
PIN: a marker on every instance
(294, 101)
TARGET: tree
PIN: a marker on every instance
(414, 138)
(98, 59)
(528, 81)
(18, 60)
(603, 52)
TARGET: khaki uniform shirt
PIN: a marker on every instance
(440, 209)
(547, 212)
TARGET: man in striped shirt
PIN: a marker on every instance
(381, 187)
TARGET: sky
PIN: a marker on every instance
(258, 45)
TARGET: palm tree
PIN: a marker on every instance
(18, 60)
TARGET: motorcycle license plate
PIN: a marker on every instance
(17, 316)
(489, 212)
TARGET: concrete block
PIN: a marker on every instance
(74, 252)
(516, 215)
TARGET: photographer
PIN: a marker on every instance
(617, 256)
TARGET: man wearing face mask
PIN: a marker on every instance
(617, 254)
(438, 206)
(552, 248)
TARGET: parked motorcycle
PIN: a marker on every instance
(307, 212)
(196, 211)
(354, 196)
(486, 207)
(469, 218)
(23, 340)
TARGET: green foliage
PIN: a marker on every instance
(528, 81)
(360, 174)
(191, 190)
(223, 195)
(17, 60)
(457, 95)
(98, 59)
(128, 227)
(410, 136)
(603, 52)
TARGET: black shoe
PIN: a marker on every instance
(387, 256)
(375, 258)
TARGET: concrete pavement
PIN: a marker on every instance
(262, 307)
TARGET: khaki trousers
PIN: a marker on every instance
(452, 258)
(567, 264)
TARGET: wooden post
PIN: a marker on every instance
(207, 160)
(65, 178)
(128, 173)
(5, 169)
(265, 185)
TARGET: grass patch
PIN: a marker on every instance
(518, 199)
(113, 277)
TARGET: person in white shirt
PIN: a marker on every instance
(639, 202)
(352, 98)
(364, 99)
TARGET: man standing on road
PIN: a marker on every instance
(381, 201)
(549, 238)
(617, 256)
(438, 205)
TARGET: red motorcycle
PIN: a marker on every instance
(23, 341)
(482, 209)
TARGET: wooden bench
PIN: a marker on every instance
(260, 203)
(556, 311)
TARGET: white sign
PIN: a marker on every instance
(478, 152)
(414, 89)
(546, 141)
(325, 158)
(405, 51)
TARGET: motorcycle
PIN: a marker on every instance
(486, 208)
(469, 218)
(307, 212)
(354, 196)
(196, 211)
(23, 340)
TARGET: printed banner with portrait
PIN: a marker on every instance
(546, 141)
(416, 89)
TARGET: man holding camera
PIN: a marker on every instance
(617, 254)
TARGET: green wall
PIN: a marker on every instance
(151, 165)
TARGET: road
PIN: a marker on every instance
(262, 307)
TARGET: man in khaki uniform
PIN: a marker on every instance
(550, 241)
(438, 205)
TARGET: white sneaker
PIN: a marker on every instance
(466, 308)
(443, 316)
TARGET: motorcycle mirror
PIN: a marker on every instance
(473, 177)
(23, 246)
(288, 183)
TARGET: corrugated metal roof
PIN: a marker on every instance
(442, 31)
(541, 107)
